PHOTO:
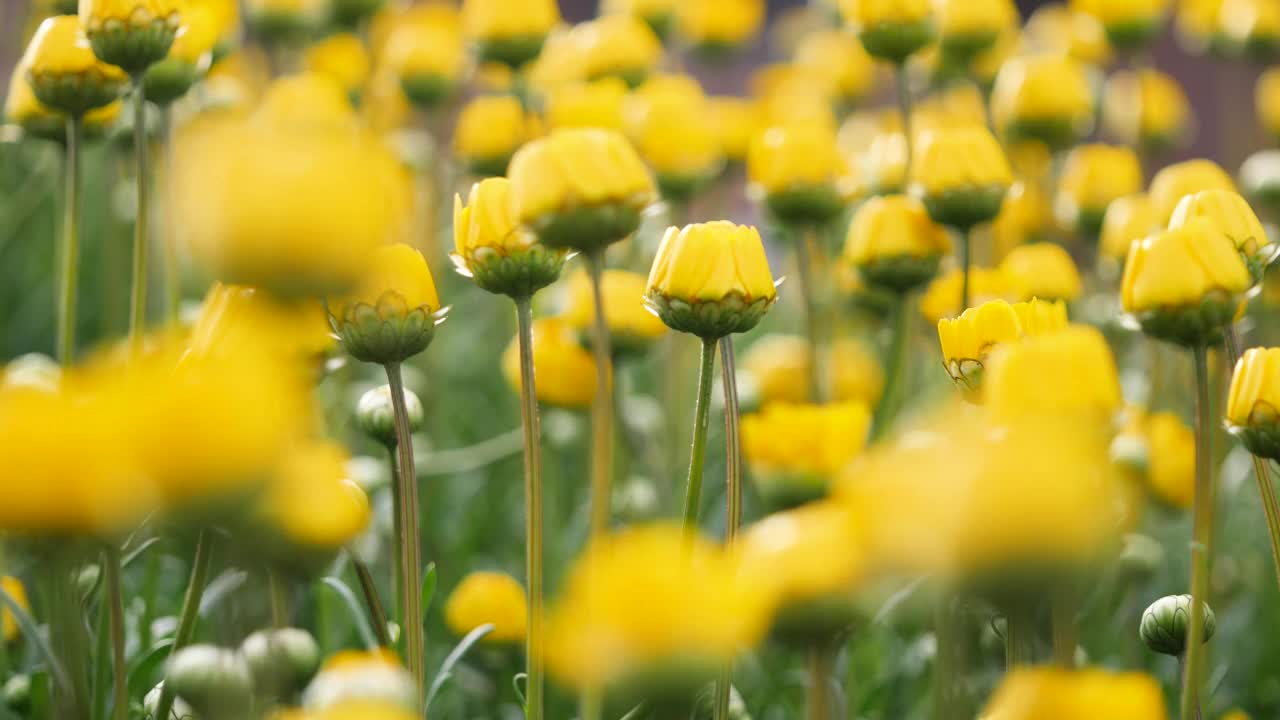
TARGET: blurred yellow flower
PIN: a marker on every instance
(885, 163)
(1197, 24)
(284, 20)
(17, 592)
(1093, 176)
(23, 109)
(968, 340)
(1084, 377)
(1252, 26)
(1056, 28)
(779, 367)
(658, 13)
(676, 135)
(63, 71)
(1128, 218)
(357, 710)
(647, 597)
(312, 501)
(341, 56)
(621, 46)
(1129, 23)
(893, 226)
(804, 441)
(719, 23)
(1025, 216)
(961, 174)
(595, 104)
(1044, 270)
(1254, 396)
(631, 325)
(1149, 108)
(838, 56)
(1043, 97)
(1266, 98)
(1178, 268)
(1229, 213)
(966, 27)
(428, 59)
(198, 34)
(1185, 178)
(489, 598)
(489, 130)
(795, 157)
(941, 298)
(565, 371)
(1045, 693)
(733, 118)
(1171, 459)
(306, 101)
(358, 681)
(235, 317)
(495, 20)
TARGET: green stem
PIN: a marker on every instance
(966, 260)
(101, 665)
(115, 600)
(895, 381)
(733, 493)
(67, 637)
(807, 254)
(701, 419)
(1201, 539)
(1020, 634)
(397, 545)
(1065, 631)
(141, 238)
(602, 405)
(411, 563)
(190, 614)
(172, 268)
(69, 256)
(947, 666)
(533, 508)
(904, 107)
(1261, 471)
(278, 596)
(377, 615)
(818, 702)
(591, 705)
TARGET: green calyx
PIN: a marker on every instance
(515, 273)
(282, 28)
(169, 80)
(814, 621)
(588, 228)
(426, 90)
(1166, 621)
(388, 332)
(966, 373)
(1058, 133)
(1262, 435)
(681, 187)
(781, 491)
(510, 51)
(963, 208)
(489, 166)
(896, 41)
(962, 48)
(709, 319)
(133, 47)
(76, 93)
(805, 204)
(900, 274)
(1132, 34)
(1197, 325)
(350, 13)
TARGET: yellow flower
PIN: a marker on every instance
(968, 340)
(676, 134)
(489, 598)
(1171, 458)
(1230, 214)
(1178, 268)
(1092, 177)
(1024, 217)
(341, 56)
(859, 13)
(837, 55)
(565, 371)
(1254, 397)
(63, 71)
(17, 592)
(391, 314)
(1128, 218)
(491, 248)
(1055, 28)
(1185, 178)
(1043, 270)
(658, 13)
(505, 19)
(489, 130)
(1129, 23)
(1266, 98)
(560, 180)
(1065, 371)
(398, 274)
(617, 45)
(1044, 693)
(131, 34)
(1043, 97)
(650, 596)
(734, 119)
(711, 279)
(235, 316)
(306, 101)
(595, 104)
(778, 365)
(631, 325)
(23, 109)
(966, 27)
(1149, 108)
(357, 681)
(804, 440)
(1251, 25)
(311, 500)
(719, 23)
(961, 175)
(428, 59)
(941, 298)
(893, 226)
(793, 157)
(1197, 24)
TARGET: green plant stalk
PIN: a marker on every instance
(602, 405)
(410, 536)
(818, 696)
(69, 255)
(895, 382)
(278, 597)
(1201, 540)
(397, 547)
(904, 107)
(947, 667)
(141, 237)
(68, 641)
(172, 268)
(1065, 630)
(534, 656)
(101, 667)
(807, 254)
(115, 601)
(1261, 471)
(701, 419)
(1019, 635)
(190, 614)
(377, 615)
(733, 492)
(591, 705)
(966, 260)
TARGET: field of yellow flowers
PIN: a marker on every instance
(377, 360)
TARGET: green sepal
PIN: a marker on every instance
(711, 319)
(588, 228)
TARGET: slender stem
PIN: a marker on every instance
(1019, 636)
(904, 107)
(172, 268)
(101, 666)
(186, 629)
(533, 508)
(69, 255)
(115, 600)
(411, 562)
(1261, 471)
(591, 705)
(733, 493)
(966, 251)
(397, 533)
(1201, 539)
(896, 378)
(377, 614)
(701, 419)
(141, 239)
(278, 596)
(1065, 630)
(818, 702)
(947, 666)
(602, 406)
(66, 635)
(807, 253)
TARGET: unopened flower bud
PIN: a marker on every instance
(16, 694)
(151, 703)
(1140, 556)
(215, 681)
(282, 660)
(130, 34)
(393, 314)
(64, 73)
(1166, 621)
(375, 415)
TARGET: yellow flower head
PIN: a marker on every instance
(489, 20)
(1124, 14)
(885, 162)
(733, 117)
(1024, 217)
(959, 159)
(838, 56)
(1092, 177)
(398, 276)
(1178, 268)
(595, 104)
(487, 221)
(797, 156)
(235, 317)
(709, 262)
(674, 131)
(1253, 25)
(1056, 28)
(22, 108)
(1197, 23)
(420, 50)
(14, 588)
(968, 340)
(577, 168)
(1043, 270)
(1065, 371)
(961, 18)
(198, 35)
(138, 14)
(893, 226)
(1128, 218)
(648, 596)
(809, 553)
(489, 598)
(1185, 178)
(59, 54)
(1266, 98)
(1039, 89)
(1230, 214)
(804, 440)
(1150, 108)
(564, 371)
(779, 367)
(341, 56)
(1045, 693)
(654, 12)
(719, 22)
(617, 45)
(1171, 459)
(490, 129)
(312, 501)
(306, 101)
(1254, 397)
(863, 13)
(942, 298)
(630, 322)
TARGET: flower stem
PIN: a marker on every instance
(377, 614)
(733, 493)
(701, 418)
(190, 614)
(69, 257)
(1065, 630)
(818, 702)
(278, 596)
(411, 561)
(67, 637)
(966, 252)
(1019, 636)
(808, 258)
(1201, 539)
(904, 107)
(947, 695)
(172, 268)
(115, 600)
(896, 379)
(397, 532)
(533, 508)
(1261, 471)
(141, 238)
(602, 405)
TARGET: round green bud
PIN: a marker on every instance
(216, 682)
(896, 41)
(1140, 555)
(900, 274)
(17, 694)
(1166, 621)
(350, 13)
(180, 710)
(587, 228)
(811, 205)
(375, 415)
(282, 660)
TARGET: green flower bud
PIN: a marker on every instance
(180, 710)
(33, 370)
(1140, 556)
(17, 694)
(896, 41)
(216, 682)
(512, 51)
(1165, 622)
(375, 415)
(169, 80)
(283, 660)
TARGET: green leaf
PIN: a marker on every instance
(222, 586)
(428, 589)
(142, 676)
(354, 608)
(32, 633)
(138, 551)
(455, 655)
(40, 695)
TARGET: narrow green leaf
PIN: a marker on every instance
(222, 586)
(455, 655)
(138, 551)
(354, 608)
(428, 588)
(32, 633)
(40, 706)
(143, 676)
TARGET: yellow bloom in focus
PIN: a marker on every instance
(565, 371)
(1053, 694)
(942, 297)
(1230, 214)
(1043, 270)
(1254, 397)
(341, 56)
(1266, 98)
(962, 167)
(1150, 109)
(1066, 371)
(389, 316)
(648, 597)
(131, 34)
(312, 501)
(491, 248)
(893, 226)
(804, 441)
(490, 20)
(235, 317)
(968, 340)
(734, 119)
(631, 325)
(595, 104)
(1185, 178)
(17, 592)
(617, 46)
(778, 365)
(1056, 28)
(719, 23)
(1179, 268)
(1129, 218)
(63, 71)
(1043, 97)
(837, 55)
(489, 598)
(1092, 177)
(1171, 459)
(489, 130)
